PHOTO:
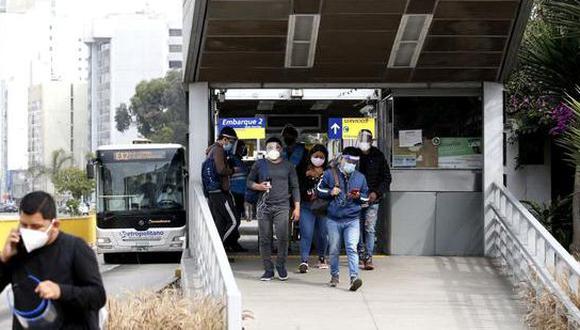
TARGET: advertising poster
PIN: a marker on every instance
(460, 153)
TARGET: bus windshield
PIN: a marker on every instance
(140, 180)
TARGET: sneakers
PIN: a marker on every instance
(322, 263)
(267, 276)
(303, 268)
(333, 281)
(282, 273)
(369, 264)
(355, 283)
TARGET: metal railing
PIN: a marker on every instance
(213, 269)
(530, 253)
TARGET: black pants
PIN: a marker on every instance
(223, 211)
(239, 211)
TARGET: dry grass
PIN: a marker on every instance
(544, 310)
(165, 310)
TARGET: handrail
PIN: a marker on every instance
(214, 271)
(531, 252)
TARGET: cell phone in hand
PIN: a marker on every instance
(354, 193)
(268, 182)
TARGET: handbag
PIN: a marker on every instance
(320, 205)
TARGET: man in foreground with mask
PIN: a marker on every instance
(375, 168)
(277, 182)
(220, 200)
(343, 216)
(43, 263)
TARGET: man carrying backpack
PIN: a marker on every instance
(216, 183)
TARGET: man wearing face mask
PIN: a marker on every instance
(375, 168)
(277, 183)
(343, 214)
(221, 203)
(64, 268)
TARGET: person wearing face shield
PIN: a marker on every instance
(375, 168)
(277, 183)
(347, 193)
(56, 283)
(238, 189)
(312, 225)
(221, 203)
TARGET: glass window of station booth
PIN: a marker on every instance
(437, 133)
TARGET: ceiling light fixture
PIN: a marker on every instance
(409, 41)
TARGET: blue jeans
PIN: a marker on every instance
(308, 223)
(350, 231)
(368, 222)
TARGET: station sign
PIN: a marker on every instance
(246, 128)
(349, 128)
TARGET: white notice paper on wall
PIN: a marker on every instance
(410, 138)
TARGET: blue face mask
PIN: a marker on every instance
(348, 168)
(228, 146)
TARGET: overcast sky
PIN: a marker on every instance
(18, 46)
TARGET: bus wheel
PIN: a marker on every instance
(112, 258)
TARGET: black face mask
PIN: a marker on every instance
(289, 141)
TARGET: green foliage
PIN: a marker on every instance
(548, 67)
(555, 216)
(159, 109)
(570, 140)
(122, 118)
(73, 181)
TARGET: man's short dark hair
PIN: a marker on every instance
(289, 130)
(274, 139)
(351, 151)
(39, 201)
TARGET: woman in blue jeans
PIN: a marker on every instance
(312, 225)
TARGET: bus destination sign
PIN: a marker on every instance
(128, 155)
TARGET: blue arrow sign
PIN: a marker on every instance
(335, 128)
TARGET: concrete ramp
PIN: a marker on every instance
(402, 293)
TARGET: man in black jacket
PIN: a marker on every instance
(43, 263)
(376, 170)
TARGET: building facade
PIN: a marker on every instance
(57, 119)
(3, 138)
(126, 49)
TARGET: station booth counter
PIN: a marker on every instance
(433, 145)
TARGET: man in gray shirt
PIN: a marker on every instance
(277, 181)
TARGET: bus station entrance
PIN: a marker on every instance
(430, 138)
(427, 77)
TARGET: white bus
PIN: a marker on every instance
(141, 194)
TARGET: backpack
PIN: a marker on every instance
(209, 176)
(252, 196)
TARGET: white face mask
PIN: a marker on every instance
(316, 161)
(273, 154)
(364, 146)
(34, 239)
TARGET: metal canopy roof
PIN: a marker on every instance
(244, 41)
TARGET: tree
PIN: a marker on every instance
(122, 118)
(158, 108)
(57, 160)
(73, 181)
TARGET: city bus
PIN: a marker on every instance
(140, 195)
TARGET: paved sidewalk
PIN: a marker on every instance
(402, 293)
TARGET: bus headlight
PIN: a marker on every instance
(179, 238)
(103, 240)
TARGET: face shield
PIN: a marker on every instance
(364, 140)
